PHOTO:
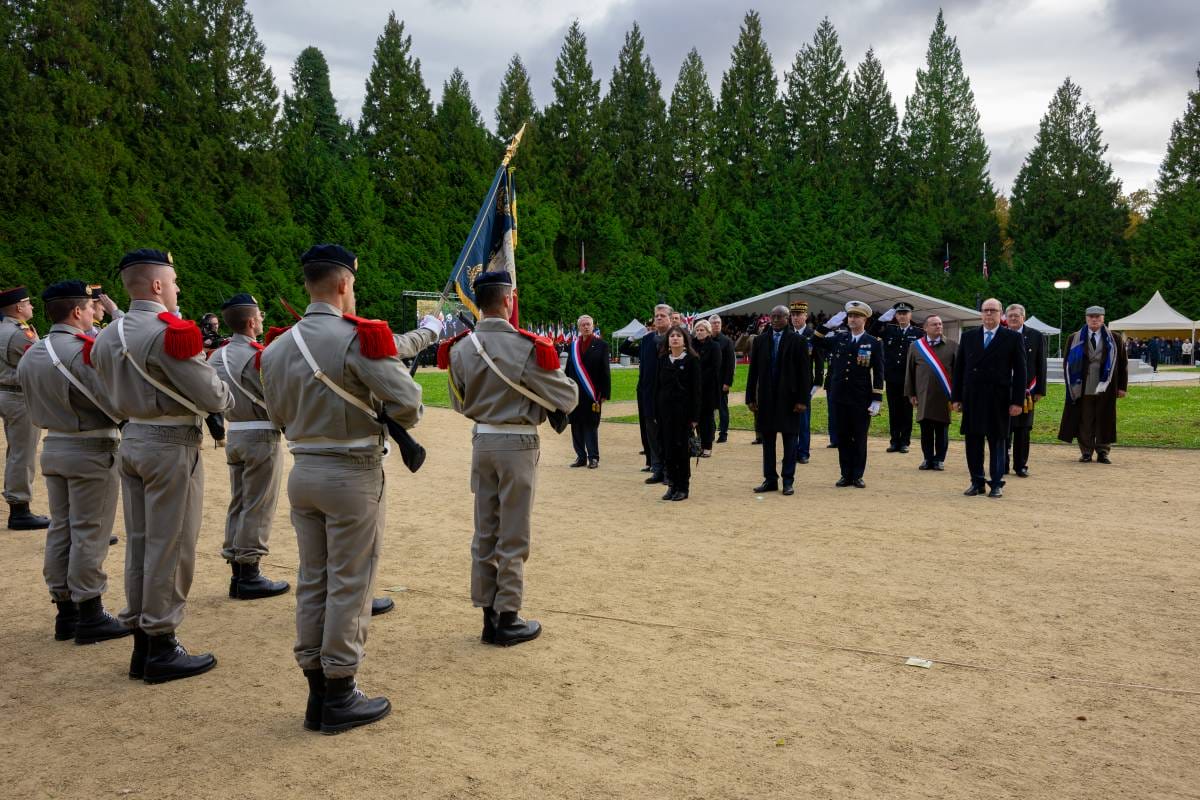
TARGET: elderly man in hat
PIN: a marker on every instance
(78, 461)
(896, 331)
(1097, 373)
(799, 317)
(252, 452)
(17, 336)
(507, 381)
(855, 384)
(152, 367)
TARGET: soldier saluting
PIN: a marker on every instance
(507, 381)
(252, 452)
(324, 381)
(78, 462)
(152, 370)
(17, 336)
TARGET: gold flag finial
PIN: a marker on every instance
(511, 149)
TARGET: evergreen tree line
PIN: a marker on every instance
(132, 123)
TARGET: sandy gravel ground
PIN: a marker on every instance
(722, 647)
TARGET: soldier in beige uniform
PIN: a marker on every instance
(326, 381)
(252, 452)
(153, 371)
(505, 448)
(78, 462)
(17, 336)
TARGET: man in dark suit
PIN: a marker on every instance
(1034, 346)
(777, 390)
(989, 389)
(854, 385)
(646, 350)
(728, 365)
(587, 365)
(896, 331)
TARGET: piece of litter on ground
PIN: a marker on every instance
(760, 497)
(913, 661)
(396, 589)
(780, 742)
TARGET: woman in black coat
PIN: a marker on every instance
(710, 355)
(677, 405)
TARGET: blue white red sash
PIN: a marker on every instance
(585, 380)
(935, 363)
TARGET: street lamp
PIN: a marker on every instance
(1062, 286)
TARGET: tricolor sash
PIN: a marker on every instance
(585, 380)
(935, 363)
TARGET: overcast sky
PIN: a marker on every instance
(1136, 61)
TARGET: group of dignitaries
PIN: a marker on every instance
(123, 407)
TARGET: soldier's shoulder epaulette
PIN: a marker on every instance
(543, 348)
(88, 343)
(274, 333)
(182, 339)
(443, 351)
(375, 338)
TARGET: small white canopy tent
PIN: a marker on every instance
(633, 329)
(831, 292)
(1041, 327)
(1157, 318)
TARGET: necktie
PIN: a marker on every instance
(987, 339)
(775, 351)
(1095, 341)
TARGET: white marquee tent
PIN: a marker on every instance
(1157, 315)
(1041, 327)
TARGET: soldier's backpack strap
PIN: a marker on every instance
(238, 384)
(78, 384)
(544, 403)
(169, 392)
(543, 348)
(320, 375)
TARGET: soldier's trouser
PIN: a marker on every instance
(81, 485)
(21, 438)
(255, 465)
(162, 478)
(900, 414)
(503, 477)
(338, 511)
(853, 424)
(1089, 438)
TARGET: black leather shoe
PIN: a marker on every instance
(1021, 473)
(903, 448)
(722, 438)
(594, 463)
(578, 462)
(97, 625)
(382, 605)
(21, 519)
(646, 469)
(802, 460)
(346, 707)
(141, 648)
(757, 441)
(65, 621)
(316, 699)
(924, 465)
(830, 446)
(892, 448)
(655, 478)
(996, 492)
(940, 466)
(511, 629)
(670, 495)
(766, 486)
(973, 491)
(859, 483)
(1084, 459)
(788, 490)
(112, 540)
(1102, 458)
(251, 584)
(678, 495)
(236, 569)
(842, 481)
(168, 660)
(489, 627)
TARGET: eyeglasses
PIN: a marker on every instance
(990, 310)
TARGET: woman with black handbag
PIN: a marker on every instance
(677, 404)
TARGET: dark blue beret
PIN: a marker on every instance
(330, 254)
(146, 256)
(13, 296)
(67, 290)
(902, 306)
(496, 278)
(242, 299)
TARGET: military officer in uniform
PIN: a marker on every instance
(251, 450)
(897, 336)
(78, 461)
(326, 382)
(799, 315)
(855, 386)
(1034, 345)
(153, 373)
(498, 392)
(17, 336)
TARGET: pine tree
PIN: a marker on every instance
(691, 126)
(515, 106)
(815, 105)
(310, 104)
(748, 116)
(468, 155)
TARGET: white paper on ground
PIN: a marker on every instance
(913, 661)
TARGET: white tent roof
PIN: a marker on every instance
(831, 292)
(634, 328)
(1041, 327)
(1156, 315)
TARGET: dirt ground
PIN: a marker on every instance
(723, 647)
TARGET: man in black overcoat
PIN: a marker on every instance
(989, 389)
(1033, 344)
(777, 390)
(646, 350)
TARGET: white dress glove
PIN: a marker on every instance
(835, 320)
(813, 393)
(888, 315)
(431, 323)
(873, 409)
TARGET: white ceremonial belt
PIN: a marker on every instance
(99, 433)
(527, 430)
(251, 425)
(166, 422)
(321, 443)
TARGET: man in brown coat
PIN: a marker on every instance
(928, 367)
(1096, 372)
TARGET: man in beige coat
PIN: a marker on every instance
(505, 447)
(17, 336)
(929, 366)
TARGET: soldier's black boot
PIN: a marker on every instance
(346, 707)
(20, 518)
(489, 627)
(511, 629)
(97, 625)
(253, 585)
(141, 648)
(316, 699)
(236, 569)
(65, 622)
(382, 605)
(168, 660)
